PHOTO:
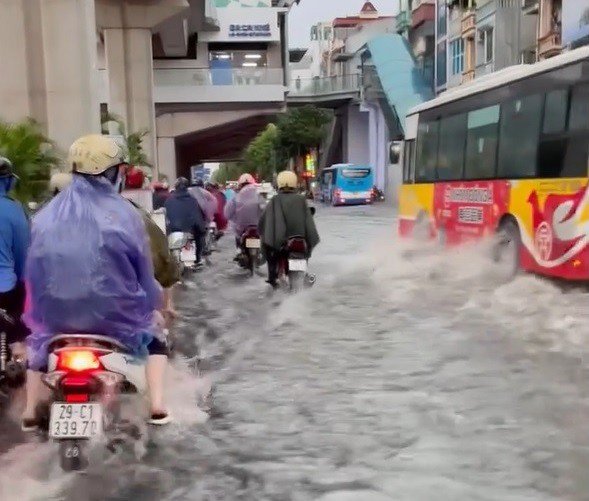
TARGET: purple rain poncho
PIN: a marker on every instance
(244, 209)
(206, 201)
(89, 270)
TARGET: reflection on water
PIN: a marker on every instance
(406, 373)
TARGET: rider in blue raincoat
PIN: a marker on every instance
(89, 268)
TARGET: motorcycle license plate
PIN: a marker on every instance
(75, 420)
(253, 243)
(188, 253)
(297, 265)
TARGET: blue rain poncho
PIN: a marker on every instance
(89, 270)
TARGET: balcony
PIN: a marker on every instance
(182, 84)
(530, 6)
(311, 87)
(468, 24)
(549, 45)
(423, 13)
(468, 76)
(403, 22)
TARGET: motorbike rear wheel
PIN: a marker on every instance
(72, 456)
(296, 280)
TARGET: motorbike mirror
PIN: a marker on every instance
(395, 152)
(313, 210)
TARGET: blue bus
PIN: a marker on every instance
(346, 184)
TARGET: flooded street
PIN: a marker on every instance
(406, 373)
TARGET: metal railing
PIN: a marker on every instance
(325, 85)
(217, 77)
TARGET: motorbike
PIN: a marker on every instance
(293, 265)
(250, 245)
(183, 249)
(377, 195)
(211, 238)
(92, 379)
(12, 371)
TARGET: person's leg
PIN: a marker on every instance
(272, 260)
(33, 388)
(199, 240)
(155, 372)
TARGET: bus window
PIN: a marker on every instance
(451, 152)
(579, 119)
(427, 152)
(519, 133)
(555, 111)
(562, 153)
(409, 162)
(481, 143)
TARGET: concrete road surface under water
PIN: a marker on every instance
(407, 373)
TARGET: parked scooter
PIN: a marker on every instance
(94, 384)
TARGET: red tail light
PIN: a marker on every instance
(297, 245)
(76, 389)
(78, 361)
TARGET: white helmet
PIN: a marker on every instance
(287, 179)
(60, 181)
(94, 154)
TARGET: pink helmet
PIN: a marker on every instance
(246, 179)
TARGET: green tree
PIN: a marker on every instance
(133, 140)
(33, 156)
(261, 156)
(229, 171)
(301, 129)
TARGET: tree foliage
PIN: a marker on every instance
(261, 155)
(302, 128)
(33, 156)
(134, 140)
(295, 133)
(229, 172)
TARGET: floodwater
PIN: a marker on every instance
(406, 373)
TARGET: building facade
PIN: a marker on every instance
(415, 21)
(475, 38)
(201, 76)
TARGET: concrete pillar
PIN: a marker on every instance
(130, 72)
(14, 91)
(69, 40)
(166, 158)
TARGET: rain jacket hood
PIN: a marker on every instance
(89, 270)
(288, 215)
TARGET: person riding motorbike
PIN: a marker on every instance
(165, 268)
(219, 217)
(206, 201)
(244, 209)
(287, 215)
(183, 214)
(160, 194)
(89, 271)
(14, 243)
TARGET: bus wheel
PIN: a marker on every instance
(506, 250)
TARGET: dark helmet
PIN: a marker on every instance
(6, 168)
(200, 183)
(182, 183)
